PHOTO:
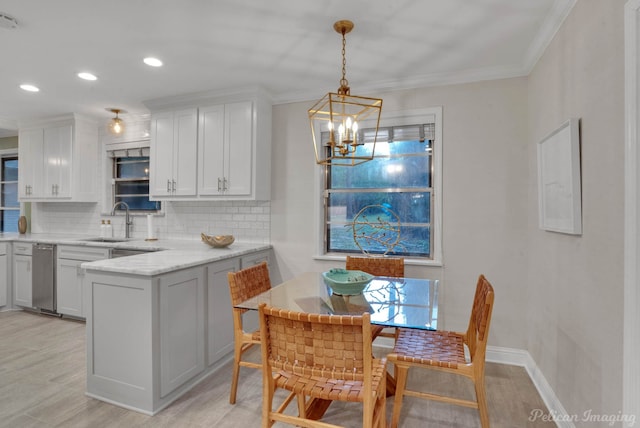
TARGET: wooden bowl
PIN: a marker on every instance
(217, 241)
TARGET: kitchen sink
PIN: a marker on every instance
(106, 239)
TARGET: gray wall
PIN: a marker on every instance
(557, 296)
(484, 190)
(575, 283)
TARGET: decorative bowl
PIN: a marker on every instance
(347, 282)
(217, 241)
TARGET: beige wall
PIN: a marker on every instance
(484, 190)
(575, 283)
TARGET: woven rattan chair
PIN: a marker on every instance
(444, 350)
(378, 266)
(243, 285)
(319, 357)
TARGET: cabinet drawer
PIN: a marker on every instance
(22, 248)
(82, 253)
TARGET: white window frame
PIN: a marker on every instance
(13, 153)
(399, 118)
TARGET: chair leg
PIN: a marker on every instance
(237, 356)
(482, 403)
(401, 382)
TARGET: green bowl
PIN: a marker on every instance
(347, 282)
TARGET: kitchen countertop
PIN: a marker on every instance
(168, 254)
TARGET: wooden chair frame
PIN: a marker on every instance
(378, 266)
(444, 351)
(319, 357)
(243, 285)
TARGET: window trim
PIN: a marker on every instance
(398, 118)
(11, 153)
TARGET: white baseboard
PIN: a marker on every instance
(518, 357)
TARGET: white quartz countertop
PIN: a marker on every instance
(168, 254)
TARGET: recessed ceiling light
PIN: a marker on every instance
(87, 76)
(153, 62)
(29, 88)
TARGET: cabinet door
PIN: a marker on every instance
(69, 287)
(220, 321)
(210, 150)
(185, 154)
(239, 148)
(31, 163)
(181, 327)
(161, 159)
(4, 275)
(22, 280)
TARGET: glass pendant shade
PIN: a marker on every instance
(116, 125)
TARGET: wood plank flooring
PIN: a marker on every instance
(42, 384)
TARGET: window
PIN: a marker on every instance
(9, 205)
(131, 180)
(389, 205)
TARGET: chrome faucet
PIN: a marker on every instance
(127, 221)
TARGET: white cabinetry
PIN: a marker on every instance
(229, 152)
(4, 275)
(174, 148)
(69, 276)
(58, 160)
(22, 274)
(226, 150)
(220, 316)
(181, 327)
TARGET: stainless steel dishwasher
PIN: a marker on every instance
(43, 277)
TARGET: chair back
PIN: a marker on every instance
(378, 266)
(331, 346)
(478, 330)
(248, 283)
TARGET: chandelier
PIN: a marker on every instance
(335, 120)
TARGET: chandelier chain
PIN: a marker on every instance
(343, 81)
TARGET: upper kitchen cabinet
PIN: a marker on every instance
(174, 150)
(232, 143)
(58, 160)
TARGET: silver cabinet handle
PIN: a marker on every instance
(168, 186)
(224, 184)
(219, 181)
(174, 186)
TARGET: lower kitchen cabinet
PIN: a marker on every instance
(22, 274)
(4, 275)
(151, 338)
(69, 276)
(181, 327)
(220, 315)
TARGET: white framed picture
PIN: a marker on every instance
(559, 187)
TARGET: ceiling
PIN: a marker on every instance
(286, 47)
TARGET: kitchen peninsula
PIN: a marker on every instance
(158, 323)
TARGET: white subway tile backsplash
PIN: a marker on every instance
(246, 220)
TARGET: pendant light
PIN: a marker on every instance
(335, 119)
(116, 125)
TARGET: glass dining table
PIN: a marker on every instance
(392, 302)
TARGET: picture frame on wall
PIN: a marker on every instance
(559, 180)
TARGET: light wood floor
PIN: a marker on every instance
(42, 384)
